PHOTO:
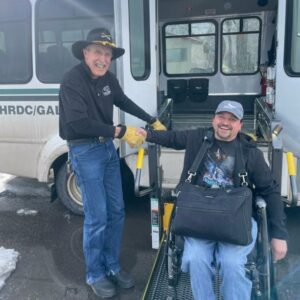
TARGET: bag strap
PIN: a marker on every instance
(240, 160)
(199, 157)
(240, 163)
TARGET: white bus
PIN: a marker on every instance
(196, 53)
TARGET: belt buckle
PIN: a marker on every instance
(101, 139)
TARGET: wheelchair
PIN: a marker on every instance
(259, 267)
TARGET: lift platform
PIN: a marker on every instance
(157, 287)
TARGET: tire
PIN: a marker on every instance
(266, 268)
(127, 182)
(68, 191)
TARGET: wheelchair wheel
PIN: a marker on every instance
(264, 265)
(174, 251)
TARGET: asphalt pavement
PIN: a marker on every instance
(49, 240)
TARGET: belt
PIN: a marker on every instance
(99, 139)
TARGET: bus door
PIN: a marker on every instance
(287, 102)
(137, 70)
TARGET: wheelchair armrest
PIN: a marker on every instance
(261, 209)
(260, 203)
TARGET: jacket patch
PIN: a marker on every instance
(106, 90)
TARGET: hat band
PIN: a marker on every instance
(104, 43)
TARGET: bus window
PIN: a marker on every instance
(15, 25)
(292, 49)
(61, 23)
(190, 48)
(139, 39)
(240, 46)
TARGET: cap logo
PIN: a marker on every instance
(106, 36)
(229, 105)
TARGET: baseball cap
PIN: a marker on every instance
(232, 107)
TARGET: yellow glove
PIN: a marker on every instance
(132, 137)
(251, 135)
(157, 125)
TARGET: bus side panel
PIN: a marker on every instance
(287, 91)
(26, 126)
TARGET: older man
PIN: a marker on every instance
(87, 96)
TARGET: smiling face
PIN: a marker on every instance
(98, 59)
(226, 126)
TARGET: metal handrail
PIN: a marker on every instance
(139, 164)
(292, 174)
(163, 115)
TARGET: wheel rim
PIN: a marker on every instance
(73, 189)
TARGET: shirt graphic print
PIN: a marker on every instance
(219, 166)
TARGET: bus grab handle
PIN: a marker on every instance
(139, 165)
(292, 173)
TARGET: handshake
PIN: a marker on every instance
(135, 137)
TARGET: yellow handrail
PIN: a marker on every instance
(292, 174)
(291, 165)
(139, 165)
(140, 158)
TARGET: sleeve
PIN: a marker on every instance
(76, 112)
(266, 187)
(127, 105)
(172, 139)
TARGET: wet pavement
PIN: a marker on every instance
(51, 265)
(288, 270)
(49, 240)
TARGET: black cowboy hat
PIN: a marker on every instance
(97, 36)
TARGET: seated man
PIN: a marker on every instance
(218, 169)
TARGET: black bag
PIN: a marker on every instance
(221, 214)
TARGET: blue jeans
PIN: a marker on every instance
(97, 169)
(198, 257)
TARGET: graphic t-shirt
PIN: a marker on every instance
(218, 165)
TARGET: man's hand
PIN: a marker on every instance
(142, 132)
(279, 249)
(157, 125)
(132, 137)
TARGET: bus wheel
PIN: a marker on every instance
(68, 191)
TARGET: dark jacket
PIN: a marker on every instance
(86, 104)
(259, 174)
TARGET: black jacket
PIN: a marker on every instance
(259, 174)
(86, 104)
